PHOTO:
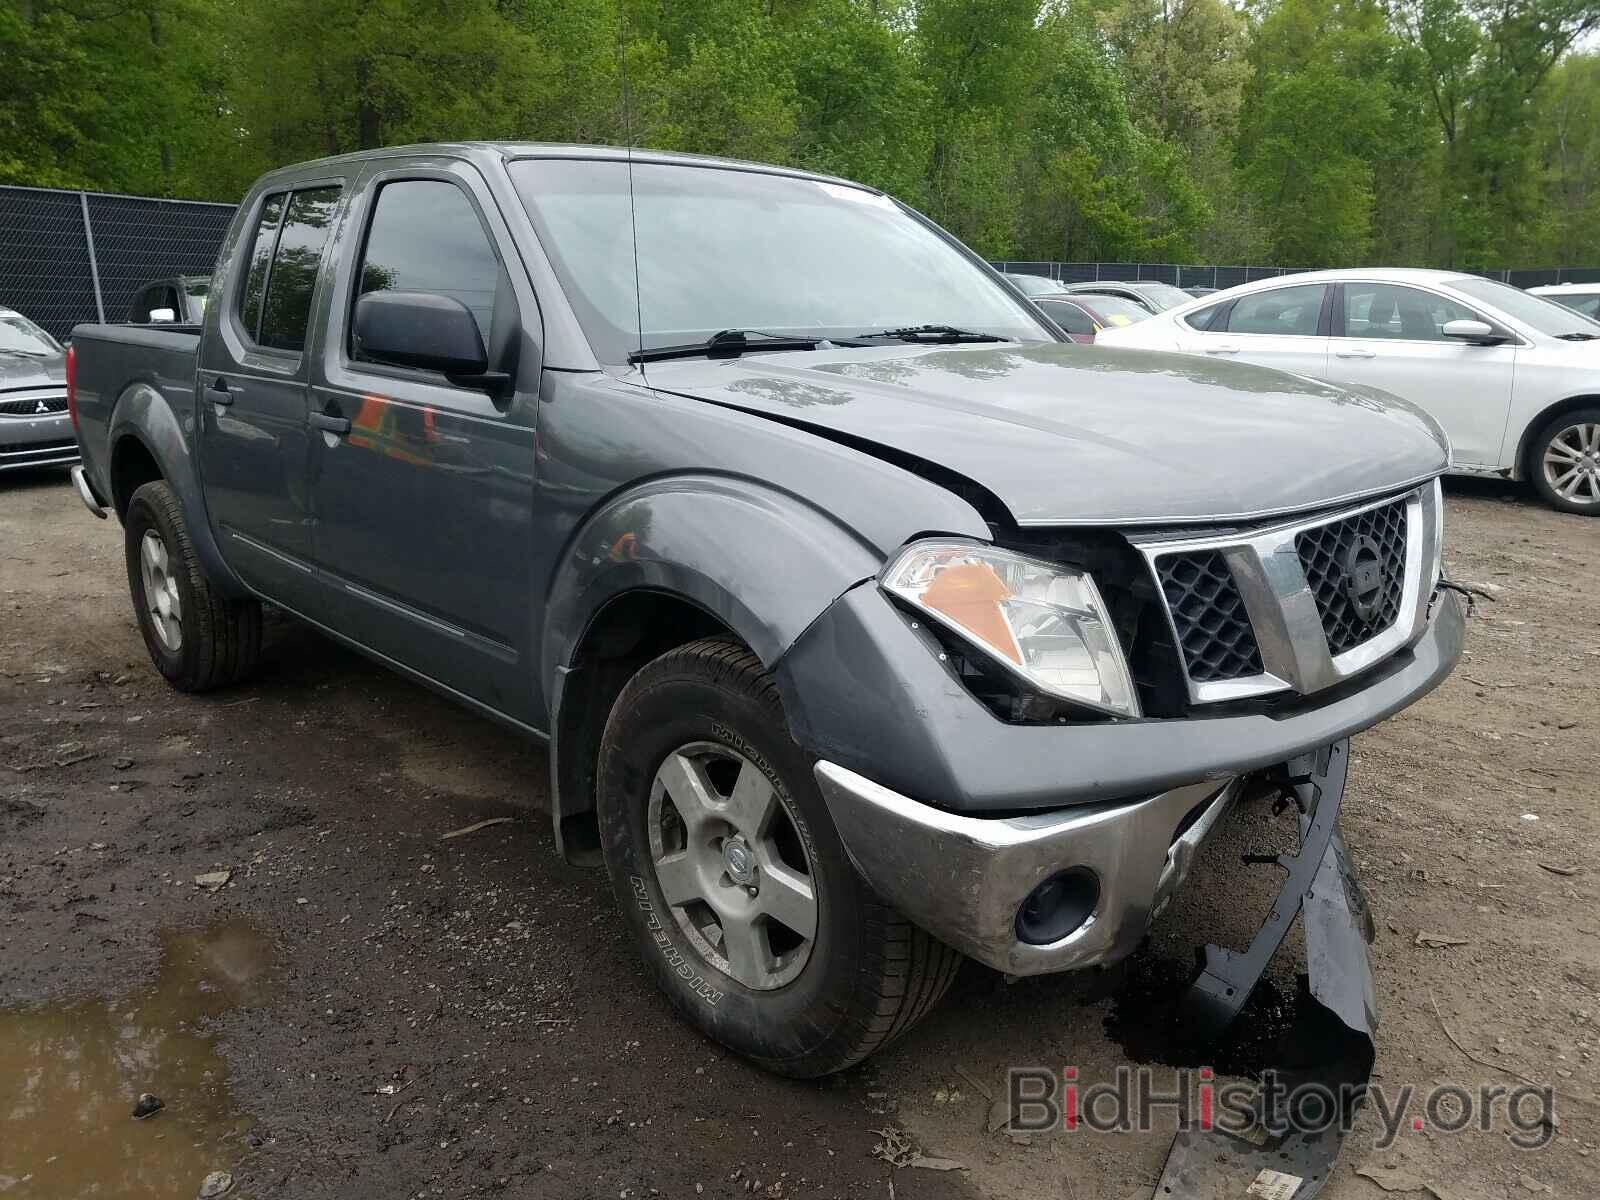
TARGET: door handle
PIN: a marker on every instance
(219, 392)
(1354, 354)
(1222, 349)
(328, 423)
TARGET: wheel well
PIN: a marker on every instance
(1539, 423)
(132, 466)
(628, 632)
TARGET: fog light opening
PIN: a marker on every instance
(1058, 906)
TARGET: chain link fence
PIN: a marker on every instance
(1185, 276)
(68, 257)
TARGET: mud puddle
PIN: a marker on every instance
(70, 1076)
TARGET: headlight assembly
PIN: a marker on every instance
(1041, 621)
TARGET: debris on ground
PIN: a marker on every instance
(1273, 1185)
(1555, 870)
(148, 1106)
(898, 1150)
(1436, 940)
(999, 1114)
(1391, 1179)
(455, 833)
(213, 879)
(218, 1183)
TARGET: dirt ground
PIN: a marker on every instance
(367, 1009)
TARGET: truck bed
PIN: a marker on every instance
(111, 361)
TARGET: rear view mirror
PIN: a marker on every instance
(1480, 332)
(420, 329)
(162, 316)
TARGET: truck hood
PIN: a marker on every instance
(1066, 434)
(18, 371)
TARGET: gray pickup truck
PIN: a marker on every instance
(870, 625)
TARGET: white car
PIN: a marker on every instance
(1579, 297)
(1512, 378)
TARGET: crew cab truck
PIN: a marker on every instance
(869, 624)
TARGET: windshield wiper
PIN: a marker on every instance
(933, 333)
(730, 343)
(1579, 337)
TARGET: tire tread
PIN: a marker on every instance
(226, 632)
(907, 970)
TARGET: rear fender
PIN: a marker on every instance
(145, 416)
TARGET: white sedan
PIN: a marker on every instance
(1512, 378)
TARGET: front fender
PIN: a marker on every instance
(143, 414)
(763, 562)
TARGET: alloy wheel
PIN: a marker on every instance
(161, 596)
(1572, 463)
(732, 865)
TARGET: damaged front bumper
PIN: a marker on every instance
(966, 879)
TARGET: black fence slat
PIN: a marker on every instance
(45, 264)
(136, 241)
(44, 258)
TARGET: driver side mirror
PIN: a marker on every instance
(1480, 333)
(423, 330)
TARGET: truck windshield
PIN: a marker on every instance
(733, 249)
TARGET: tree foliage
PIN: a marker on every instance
(1303, 132)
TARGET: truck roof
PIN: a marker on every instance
(484, 152)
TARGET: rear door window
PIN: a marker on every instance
(1291, 311)
(261, 246)
(292, 279)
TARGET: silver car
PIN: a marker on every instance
(35, 428)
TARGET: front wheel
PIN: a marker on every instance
(729, 869)
(198, 637)
(1565, 462)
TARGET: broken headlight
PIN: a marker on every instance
(1039, 620)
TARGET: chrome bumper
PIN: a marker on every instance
(963, 878)
(86, 493)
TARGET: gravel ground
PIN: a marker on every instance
(367, 1009)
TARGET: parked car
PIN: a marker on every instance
(1149, 294)
(1581, 298)
(1511, 377)
(1034, 285)
(1081, 317)
(852, 609)
(1201, 291)
(35, 430)
(180, 300)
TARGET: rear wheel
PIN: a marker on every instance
(728, 867)
(1564, 462)
(198, 637)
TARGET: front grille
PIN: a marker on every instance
(1324, 553)
(31, 407)
(1208, 612)
(24, 454)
